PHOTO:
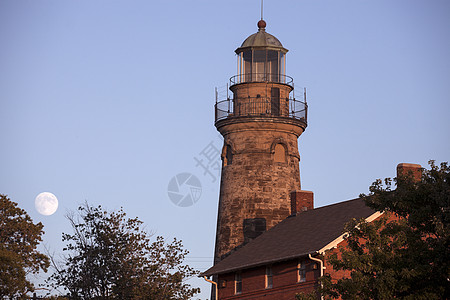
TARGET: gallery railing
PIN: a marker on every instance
(261, 107)
(261, 77)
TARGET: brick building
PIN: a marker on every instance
(282, 261)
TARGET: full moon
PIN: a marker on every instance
(46, 203)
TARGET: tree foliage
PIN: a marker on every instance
(307, 296)
(19, 238)
(109, 256)
(405, 253)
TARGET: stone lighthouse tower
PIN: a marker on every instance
(260, 124)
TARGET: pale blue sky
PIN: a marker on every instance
(106, 101)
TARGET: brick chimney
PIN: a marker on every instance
(301, 201)
(414, 170)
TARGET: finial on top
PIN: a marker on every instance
(262, 24)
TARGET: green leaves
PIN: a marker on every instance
(306, 296)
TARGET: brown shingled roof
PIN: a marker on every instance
(296, 236)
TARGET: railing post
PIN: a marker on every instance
(215, 106)
(290, 109)
(304, 95)
(293, 90)
(306, 105)
(227, 91)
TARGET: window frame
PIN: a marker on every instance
(228, 155)
(269, 277)
(238, 283)
(301, 271)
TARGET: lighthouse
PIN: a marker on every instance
(260, 122)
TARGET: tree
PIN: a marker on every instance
(19, 238)
(111, 257)
(405, 253)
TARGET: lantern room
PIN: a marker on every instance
(261, 58)
(261, 89)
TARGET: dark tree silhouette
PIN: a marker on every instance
(109, 256)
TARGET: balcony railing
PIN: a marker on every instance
(261, 77)
(261, 107)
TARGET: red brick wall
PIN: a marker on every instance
(285, 285)
(335, 275)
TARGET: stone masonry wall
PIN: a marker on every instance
(254, 185)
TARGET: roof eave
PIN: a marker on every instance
(338, 240)
(242, 49)
(249, 266)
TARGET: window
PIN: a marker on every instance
(272, 68)
(238, 283)
(269, 278)
(259, 62)
(301, 272)
(253, 227)
(247, 72)
(261, 65)
(228, 156)
(280, 153)
(275, 101)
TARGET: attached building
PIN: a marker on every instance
(283, 261)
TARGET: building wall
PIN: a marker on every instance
(255, 185)
(338, 274)
(285, 282)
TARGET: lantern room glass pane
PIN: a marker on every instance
(247, 64)
(261, 65)
(273, 66)
(259, 62)
(282, 67)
